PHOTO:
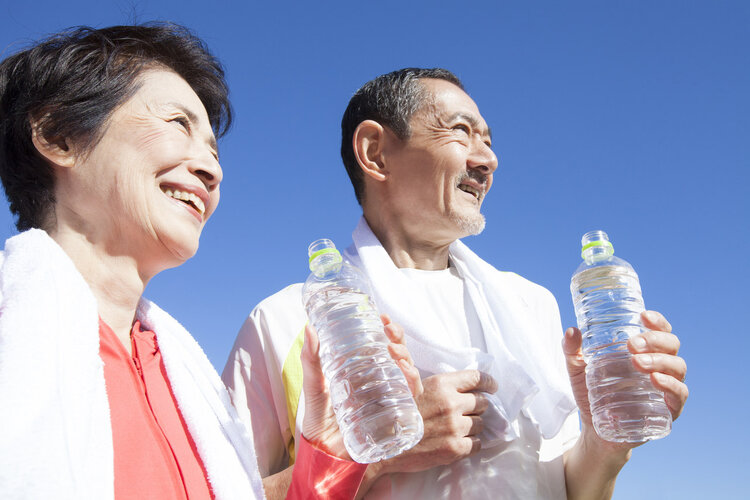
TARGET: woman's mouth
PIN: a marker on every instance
(188, 198)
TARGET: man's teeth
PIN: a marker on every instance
(188, 197)
(469, 189)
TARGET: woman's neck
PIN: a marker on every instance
(114, 280)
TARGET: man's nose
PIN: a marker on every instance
(483, 158)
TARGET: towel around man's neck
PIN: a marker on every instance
(523, 364)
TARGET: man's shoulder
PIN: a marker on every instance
(283, 309)
(532, 293)
(290, 296)
(275, 322)
(518, 282)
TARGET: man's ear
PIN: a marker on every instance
(57, 150)
(368, 142)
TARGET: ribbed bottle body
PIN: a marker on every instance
(625, 405)
(374, 408)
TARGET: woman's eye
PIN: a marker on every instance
(182, 120)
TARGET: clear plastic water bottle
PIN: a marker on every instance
(374, 408)
(625, 405)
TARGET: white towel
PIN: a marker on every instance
(525, 366)
(55, 431)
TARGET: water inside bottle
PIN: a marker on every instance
(367, 389)
(625, 405)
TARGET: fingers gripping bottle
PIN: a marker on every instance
(625, 405)
(374, 408)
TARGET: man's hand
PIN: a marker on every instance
(451, 407)
(592, 465)
(654, 352)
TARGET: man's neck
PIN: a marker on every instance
(406, 248)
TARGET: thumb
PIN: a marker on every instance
(313, 381)
(571, 344)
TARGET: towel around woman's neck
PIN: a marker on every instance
(55, 431)
(524, 365)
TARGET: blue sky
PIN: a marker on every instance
(632, 117)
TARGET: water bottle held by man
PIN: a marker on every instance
(625, 406)
(374, 408)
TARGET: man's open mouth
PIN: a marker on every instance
(471, 190)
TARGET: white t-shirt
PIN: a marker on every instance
(260, 374)
(445, 291)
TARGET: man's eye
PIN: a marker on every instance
(462, 128)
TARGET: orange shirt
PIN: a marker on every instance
(154, 454)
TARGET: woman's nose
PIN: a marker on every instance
(208, 170)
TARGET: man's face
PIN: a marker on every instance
(442, 172)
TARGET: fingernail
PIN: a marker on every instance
(651, 315)
(639, 343)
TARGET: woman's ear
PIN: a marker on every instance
(368, 142)
(57, 150)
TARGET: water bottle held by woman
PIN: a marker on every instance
(374, 408)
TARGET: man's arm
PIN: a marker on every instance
(592, 465)
(253, 378)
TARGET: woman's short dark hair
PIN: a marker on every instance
(70, 83)
(390, 100)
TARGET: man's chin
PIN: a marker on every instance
(469, 225)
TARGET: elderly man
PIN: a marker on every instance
(420, 157)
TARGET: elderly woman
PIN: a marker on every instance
(108, 157)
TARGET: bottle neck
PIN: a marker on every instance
(596, 247)
(595, 255)
(325, 259)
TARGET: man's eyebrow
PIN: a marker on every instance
(194, 118)
(471, 119)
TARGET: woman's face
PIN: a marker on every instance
(150, 184)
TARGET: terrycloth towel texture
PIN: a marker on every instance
(55, 432)
(525, 366)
